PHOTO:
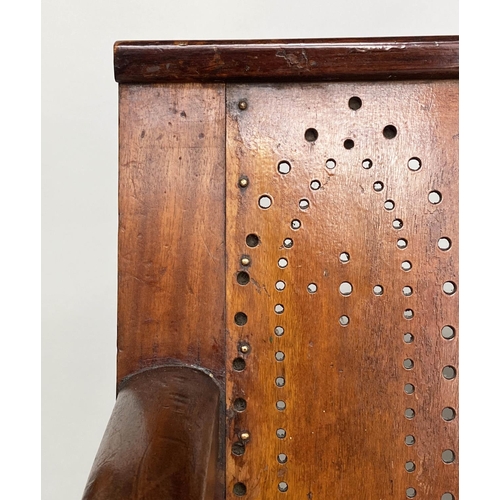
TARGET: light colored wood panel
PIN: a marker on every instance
(344, 385)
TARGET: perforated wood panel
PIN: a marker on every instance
(341, 289)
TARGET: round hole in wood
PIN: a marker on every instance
(282, 458)
(344, 257)
(449, 372)
(330, 164)
(279, 331)
(390, 131)
(448, 414)
(448, 332)
(407, 291)
(449, 288)
(389, 205)
(311, 135)
(252, 240)
(279, 356)
(281, 433)
(378, 290)
(265, 202)
(282, 263)
(279, 309)
(315, 184)
(408, 364)
(378, 186)
(240, 318)
(304, 204)
(284, 167)
(406, 265)
(409, 413)
(367, 164)
(312, 288)
(288, 243)
(408, 314)
(240, 404)
(444, 244)
(280, 285)
(402, 243)
(410, 466)
(435, 197)
(447, 496)
(238, 449)
(348, 144)
(295, 224)
(414, 164)
(409, 440)
(280, 381)
(243, 278)
(345, 288)
(409, 389)
(448, 456)
(355, 103)
(411, 492)
(397, 224)
(280, 405)
(408, 338)
(239, 489)
(344, 320)
(239, 364)
(282, 486)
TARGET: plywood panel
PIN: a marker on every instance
(342, 431)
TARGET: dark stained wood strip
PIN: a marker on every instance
(161, 440)
(287, 60)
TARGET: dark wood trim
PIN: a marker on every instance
(287, 60)
(162, 440)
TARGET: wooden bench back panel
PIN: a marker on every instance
(338, 408)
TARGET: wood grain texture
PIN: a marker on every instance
(287, 60)
(162, 439)
(171, 228)
(344, 386)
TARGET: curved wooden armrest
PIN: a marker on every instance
(161, 441)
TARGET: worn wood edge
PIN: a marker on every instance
(163, 404)
(342, 59)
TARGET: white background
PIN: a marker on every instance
(79, 204)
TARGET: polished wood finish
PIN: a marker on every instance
(171, 227)
(162, 440)
(287, 60)
(320, 409)
(344, 386)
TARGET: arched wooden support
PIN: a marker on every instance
(162, 439)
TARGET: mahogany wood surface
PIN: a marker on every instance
(346, 414)
(171, 227)
(286, 60)
(162, 440)
(197, 153)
